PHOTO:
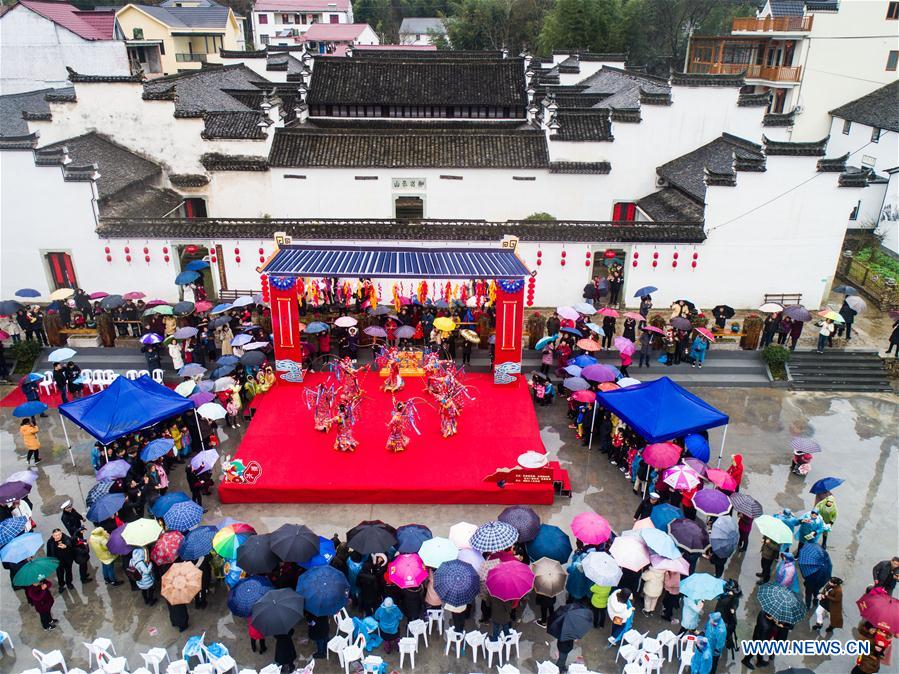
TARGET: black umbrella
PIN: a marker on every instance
(372, 539)
(9, 307)
(846, 290)
(688, 534)
(723, 311)
(253, 358)
(681, 323)
(570, 622)
(183, 308)
(112, 301)
(277, 612)
(221, 371)
(255, 555)
(294, 543)
(370, 523)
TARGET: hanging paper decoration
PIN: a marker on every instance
(396, 297)
(530, 299)
(301, 288)
(636, 257)
(492, 292)
(422, 292)
(463, 294)
(512, 286)
(282, 282)
(266, 292)
(314, 292)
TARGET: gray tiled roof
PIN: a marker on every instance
(207, 90)
(787, 7)
(670, 205)
(880, 108)
(214, 16)
(577, 124)
(621, 88)
(412, 148)
(13, 105)
(233, 125)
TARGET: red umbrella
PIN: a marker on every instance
(587, 345)
(720, 478)
(608, 386)
(584, 396)
(662, 454)
(165, 550)
(880, 609)
(606, 311)
(4, 334)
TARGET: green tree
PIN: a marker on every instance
(591, 25)
(479, 24)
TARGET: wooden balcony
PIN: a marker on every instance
(752, 72)
(784, 24)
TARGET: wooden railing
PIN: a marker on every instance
(771, 24)
(752, 72)
(884, 293)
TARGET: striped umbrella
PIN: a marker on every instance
(780, 603)
(805, 446)
(494, 536)
(197, 543)
(524, 519)
(680, 477)
(456, 582)
(228, 539)
(183, 516)
(746, 505)
(246, 593)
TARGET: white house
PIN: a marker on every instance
(677, 179)
(283, 22)
(337, 39)
(39, 39)
(421, 31)
(810, 55)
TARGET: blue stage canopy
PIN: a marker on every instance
(661, 410)
(419, 263)
(124, 407)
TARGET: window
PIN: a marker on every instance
(409, 208)
(266, 39)
(624, 211)
(137, 33)
(868, 161)
(854, 214)
(263, 19)
(194, 208)
(892, 60)
(62, 273)
(893, 11)
(334, 18)
(875, 135)
(847, 126)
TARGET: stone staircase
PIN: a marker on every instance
(838, 370)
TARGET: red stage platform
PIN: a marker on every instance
(300, 465)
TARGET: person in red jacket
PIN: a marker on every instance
(41, 598)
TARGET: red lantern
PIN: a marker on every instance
(563, 263)
(261, 259)
(262, 251)
(634, 263)
(609, 254)
(147, 259)
(213, 259)
(237, 259)
(165, 249)
(539, 261)
(695, 255)
(674, 263)
(655, 256)
(694, 264)
(539, 253)
(586, 263)
(109, 258)
(237, 251)
(106, 250)
(128, 258)
(127, 249)
(166, 258)
(191, 249)
(146, 250)
(655, 263)
(563, 253)
(636, 255)
(674, 256)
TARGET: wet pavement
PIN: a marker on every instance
(859, 433)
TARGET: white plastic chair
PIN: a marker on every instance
(141, 373)
(435, 616)
(547, 667)
(651, 645)
(418, 628)
(475, 640)
(336, 645)
(48, 384)
(630, 638)
(177, 667)
(511, 639)
(668, 639)
(508, 669)
(194, 647)
(87, 376)
(408, 646)
(139, 670)
(454, 638)
(157, 376)
(6, 641)
(154, 657)
(577, 668)
(131, 374)
(651, 662)
(371, 664)
(220, 663)
(628, 652)
(117, 665)
(633, 668)
(355, 651)
(98, 650)
(270, 669)
(344, 623)
(686, 654)
(494, 647)
(50, 660)
(247, 671)
(203, 668)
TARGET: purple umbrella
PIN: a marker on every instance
(797, 312)
(681, 324)
(13, 491)
(204, 461)
(689, 535)
(202, 398)
(150, 338)
(712, 502)
(375, 331)
(524, 519)
(99, 295)
(599, 373)
(696, 464)
(117, 544)
(114, 470)
(405, 332)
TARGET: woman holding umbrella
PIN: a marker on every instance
(39, 596)
(621, 611)
(146, 583)
(29, 430)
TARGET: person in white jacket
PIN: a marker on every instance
(621, 611)
(653, 584)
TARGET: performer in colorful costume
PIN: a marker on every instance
(320, 401)
(449, 411)
(344, 420)
(393, 382)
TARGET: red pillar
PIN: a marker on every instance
(285, 324)
(509, 327)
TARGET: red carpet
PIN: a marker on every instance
(15, 398)
(300, 465)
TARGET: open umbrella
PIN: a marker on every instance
(35, 571)
(879, 609)
(770, 308)
(549, 577)
(150, 338)
(202, 398)
(460, 534)
(550, 542)
(186, 388)
(705, 332)
(542, 342)
(680, 477)
(141, 532)
(186, 278)
(345, 322)
(584, 396)
(435, 551)
(117, 544)
(702, 586)
(660, 543)
(584, 361)
(456, 582)
(681, 324)
(601, 568)
(183, 308)
(797, 312)
(570, 622)
(845, 290)
(228, 539)
(197, 543)
(410, 537)
(27, 292)
(374, 331)
(596, 329)
(832, 316)
(192, 370)
(625, 346)
(599, 373)
(27, 476)
(277, 611)
(256, 555)
(662, 454)
(774, 529)
(165, 550)
(629, 552)
(587, 345)
(805, 445)
(21, 548)
(584, 308)
(161, 505)
(510, 580)
(183, 516)
(663, 514)
(724, 537)
(568, 313)
(825, 484)
(575, 384)
(60, 355)
(185, 333)
(407, 571)
(203, 461)
(253, 358)
(246, 592)
(96, 492)
(780, 603)
(679, 565)
(9, 307)
(689, 534)
(243, 301)
(698, 447)
(10, 528)
(697, 465)
(711, 502)
(524, 519)
(609, 312)
(814, 562)
(294, 543)
(105, 507)
(372, 539)
(652, 328)
(720, 478)
(114, 470)
(573, 370)
(30, 409)
(746, 505)
(645, 290)
(380, 310)
(324, 589)
(219, 309)
(323, 557)
(723, 311)
(196, 265)
(445, 324)
(591, 528)
(212, 411)
(494, 536)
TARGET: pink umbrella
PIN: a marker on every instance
(134, 295)
(98, 295)
(202, 306)
(652, 328)
(662, 454)
(471, 557)
(720, 478)
(624, 345)
(407, 571)
(568, 312)
(679, 565)
(635, 316)
(4, 334)
(591, 528)
(699, 466)
(155, 303)
(645, 523)
(587, 345)
(509, 581)
(606, 311)
(584, 396)
(630, 552)
(680, 477)
(599, 373)
(705, 332)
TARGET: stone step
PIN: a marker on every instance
(859, 388)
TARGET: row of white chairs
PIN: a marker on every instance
(646, 655)
(95, 380)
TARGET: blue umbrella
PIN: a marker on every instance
(197, 543)
(456, 582)
(541, 343)
(315, 327)
(206, 386)
(572, 331)
(96, 492)
(186, 278)
(21, 548)
(161, 505)
(702, 586)
(326, 552)
(246, 593)
(183, 516)
(219, 309)
(106, 507)
(576, 384)
(411, 536)
(814, 561)
(550, 542)
(185, 333)
(27, 292)
(30, 409)
(645, 290)
(724, 537)
(240, 340)
(221, 371)
(196, 265)
(10, 528)
(698, 446)
(192, 370)
(663, 514)
(324, 589)
(230, 359)
(573, 370)
(596, 329)
(524, 519)
(584, 360)
(156, 449)
(31, 377)
(826, 484)
(660, 543)
(584, 308)
(9, 307)
(59, 355)
(113, 470)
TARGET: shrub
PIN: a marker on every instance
(540, 217)
(25, 353)
(776, 358)
(882, 265)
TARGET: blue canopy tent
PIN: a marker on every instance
(124, 407)
(661, 410)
